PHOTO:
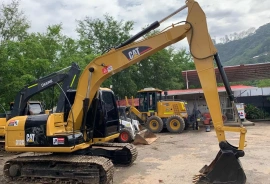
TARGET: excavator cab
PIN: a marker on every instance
(103, 111)
(148, 98)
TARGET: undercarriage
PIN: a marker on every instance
(92, 165)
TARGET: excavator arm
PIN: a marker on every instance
(203, 51)
(127, 54)
(44, 83)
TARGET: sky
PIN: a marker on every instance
(224, 17)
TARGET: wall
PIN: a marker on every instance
(253, 92)
(259, 97)
(198, 101)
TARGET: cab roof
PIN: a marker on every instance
(149, 90)
(105, 89)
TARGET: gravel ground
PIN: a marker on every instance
(174, 159)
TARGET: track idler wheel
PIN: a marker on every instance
(226, 168)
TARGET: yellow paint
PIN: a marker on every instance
(106, 139)
(2, 126)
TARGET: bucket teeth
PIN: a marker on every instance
(197, 177)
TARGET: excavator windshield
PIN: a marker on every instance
(35, 108)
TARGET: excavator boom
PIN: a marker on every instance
(203, 51)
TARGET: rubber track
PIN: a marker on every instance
(105, 168)
(127, 146)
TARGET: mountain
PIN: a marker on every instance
(254, 48)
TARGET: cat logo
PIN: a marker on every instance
(30, 137)
(134, 52)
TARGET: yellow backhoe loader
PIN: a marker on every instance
(158, 114)
(78, 138)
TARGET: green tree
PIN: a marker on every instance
(96, 37)
(264, 83)
(163, 69)
(38, 55)
(99, 36)
(13, 27)
(13, 23)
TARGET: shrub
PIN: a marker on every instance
(253, 112)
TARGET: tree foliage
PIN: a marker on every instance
(13, 23)
(99, 36)
(34, 57)
(253, 112)
(26, 56)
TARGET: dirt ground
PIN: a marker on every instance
(174, 159)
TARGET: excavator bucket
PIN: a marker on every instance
(226, 168)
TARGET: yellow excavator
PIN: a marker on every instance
(158, 114)
(22, 104)
(78, 147)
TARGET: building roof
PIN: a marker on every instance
(238, 73)
(188, 91)
(196, 91)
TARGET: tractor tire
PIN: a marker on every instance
(125, 136)
(154, 124)
(175, 124)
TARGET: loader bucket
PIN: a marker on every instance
(225, 168)
(145, 137)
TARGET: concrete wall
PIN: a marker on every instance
(253, 92)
